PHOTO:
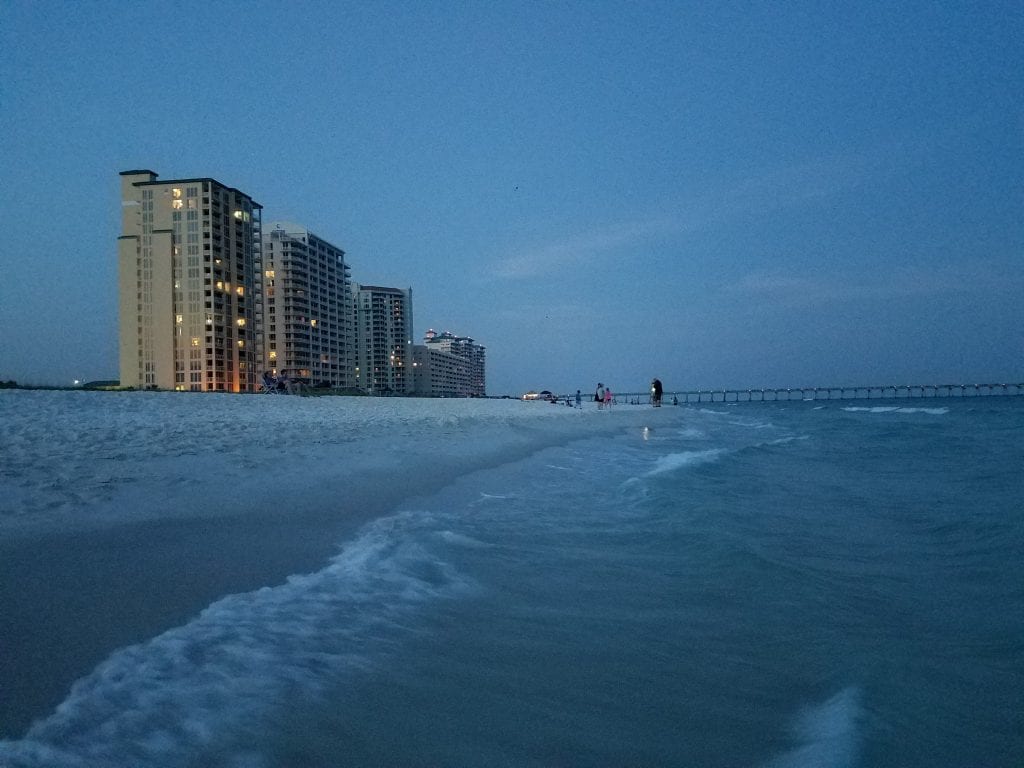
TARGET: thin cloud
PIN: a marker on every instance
(978, 276)
(575, 251)
(792, 185)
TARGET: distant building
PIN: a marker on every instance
(307, 320)
(188, 260)
(383, 333)
(447, 365)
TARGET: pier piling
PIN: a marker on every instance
(885, 392)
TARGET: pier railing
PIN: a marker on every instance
(890, 392)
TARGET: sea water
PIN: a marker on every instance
(780, 584)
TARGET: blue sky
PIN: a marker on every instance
(718, 194)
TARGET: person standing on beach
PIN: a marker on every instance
(599, 396)
(656, 393)
(579, 400)
(608, 398)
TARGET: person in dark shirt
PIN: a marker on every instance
(656, 393)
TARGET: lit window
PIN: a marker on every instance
(240, 290)
(241, 322)
(195, 341)
(313, 322)
(238, 214)
(241, 343)
(269, 273)
(176, 192)
(178, 319)
(220, 285)
(177, 204)
(273, 355)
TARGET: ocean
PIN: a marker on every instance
(374, 582)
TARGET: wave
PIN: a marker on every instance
(674, 461)
(211, 685)
(828, 734)
(753, 424)
(461, 540)
(784, 440)
(897, 409)
(683, 459)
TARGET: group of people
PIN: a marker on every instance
(604, 398)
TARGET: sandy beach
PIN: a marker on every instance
(113, 535)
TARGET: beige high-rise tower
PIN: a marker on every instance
(188, 266)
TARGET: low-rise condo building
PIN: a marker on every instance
(447, 365)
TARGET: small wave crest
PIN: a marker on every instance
(828, 734)
(674, 461)
(461, 540)
(896, 409)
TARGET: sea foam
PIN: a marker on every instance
(163, 702)
(896, 409)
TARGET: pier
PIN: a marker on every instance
(888, 392)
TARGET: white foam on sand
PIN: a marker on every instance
(209, 686)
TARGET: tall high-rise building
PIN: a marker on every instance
(188, 260)
(383, 339)
(447, 365)
(307, 321)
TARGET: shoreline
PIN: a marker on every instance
(72, 597)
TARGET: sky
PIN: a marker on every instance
(719, 194)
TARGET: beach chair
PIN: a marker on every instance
(268, 384)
